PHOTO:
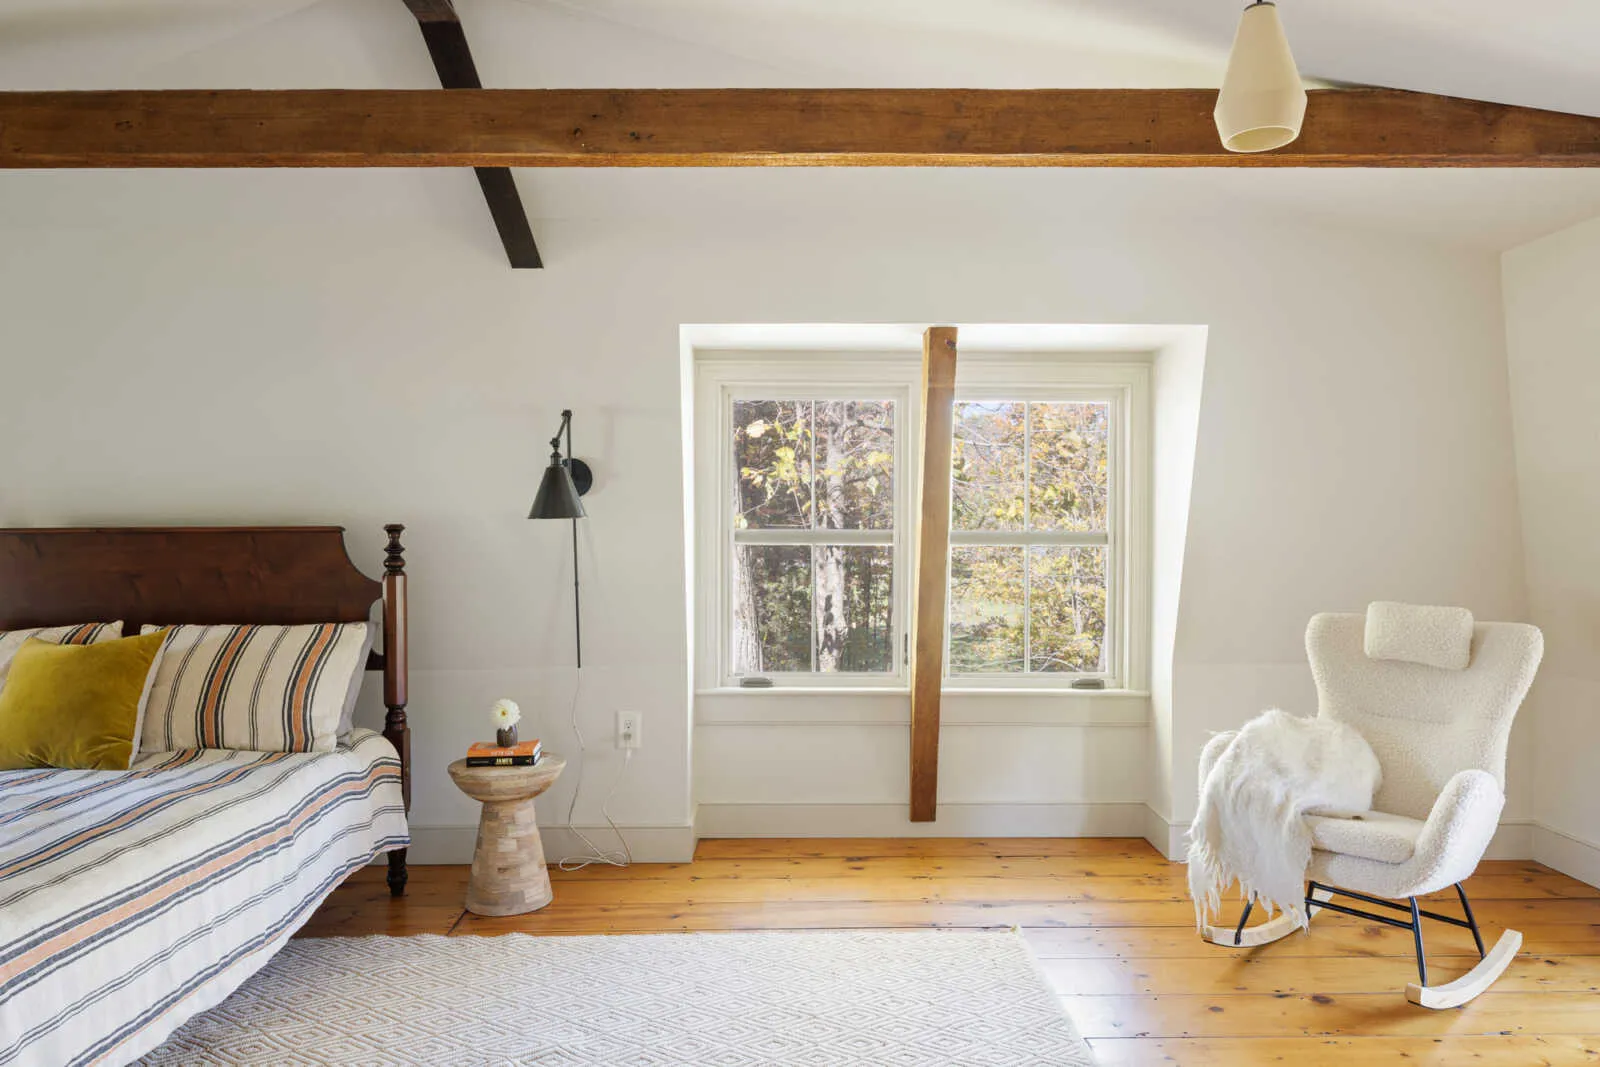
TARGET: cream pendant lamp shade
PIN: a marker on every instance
(1262, 102)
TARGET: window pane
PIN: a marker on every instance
(855, 464)
(772, 453)
(1068, 472)
(855, 586)
(987, 466)
(985, 610)
(771, 608)
(1067, 602)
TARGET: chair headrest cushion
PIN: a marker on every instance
(1432, 636)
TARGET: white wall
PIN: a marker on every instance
(1553, 347)
(350, 347)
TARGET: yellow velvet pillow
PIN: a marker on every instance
(76, 706)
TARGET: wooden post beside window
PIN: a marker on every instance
(932, 566)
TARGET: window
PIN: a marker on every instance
(805, 475)
(1030, 543)
(813, 536)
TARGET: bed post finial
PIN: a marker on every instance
(394, 561)
(394, 680)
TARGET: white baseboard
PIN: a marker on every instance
(675, 844)
(1570, 855)
(890, 820)
(649, 844)
(1167, 837)
(1512, 841)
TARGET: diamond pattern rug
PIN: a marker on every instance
(729, 1000)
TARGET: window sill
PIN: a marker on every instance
(891, 707)
(901, 691)
(805, 691)
(1048, 692)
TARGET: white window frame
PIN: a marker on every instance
(720, 377)
(1125, 388)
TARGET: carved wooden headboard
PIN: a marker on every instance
(213, 574)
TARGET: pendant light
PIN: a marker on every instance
(1262, 102)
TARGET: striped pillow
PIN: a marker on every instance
(84, 633)
(256, 688)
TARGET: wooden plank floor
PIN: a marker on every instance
(1114, 932)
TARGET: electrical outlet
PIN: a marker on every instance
(628, 729)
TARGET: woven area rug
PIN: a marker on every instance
(894, 999)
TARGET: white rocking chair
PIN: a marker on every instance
(1440, 736)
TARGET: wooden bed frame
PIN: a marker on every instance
(213, 575)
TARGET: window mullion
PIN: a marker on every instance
(1027, 610)
(1027, 465)
(863, 538)
(813, 436)
(1034, 538)
(813, 563)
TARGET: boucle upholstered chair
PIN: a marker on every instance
(1440, 735)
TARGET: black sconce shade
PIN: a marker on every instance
(560, 492)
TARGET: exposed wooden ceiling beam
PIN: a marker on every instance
(452, 58)
(447, 43)
(760, 127)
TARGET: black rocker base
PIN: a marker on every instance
(1319, 896)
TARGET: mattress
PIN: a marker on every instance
(131, 900)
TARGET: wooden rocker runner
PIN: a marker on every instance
(1440, 735)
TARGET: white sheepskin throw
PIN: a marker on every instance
(1250, 828)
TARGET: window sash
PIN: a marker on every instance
(1028, 677)
(819, 381)
(1026, 539)
(851, 677)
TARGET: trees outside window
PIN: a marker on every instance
(1029, 537)
(813, 530)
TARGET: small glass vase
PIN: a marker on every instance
(506, 738)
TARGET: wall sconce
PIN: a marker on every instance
(560, 496)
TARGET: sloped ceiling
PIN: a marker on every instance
(1542, 55)
(1545, 55)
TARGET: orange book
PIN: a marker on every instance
(486, 750)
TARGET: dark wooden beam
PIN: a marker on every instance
(447, 43)
(452, 58)
(433, 10)
(932, 566)
(761, 127)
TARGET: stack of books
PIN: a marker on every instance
(486, 754)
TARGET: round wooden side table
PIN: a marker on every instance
(508, 871)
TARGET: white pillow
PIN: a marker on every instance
(257, 688)
(83, 633)
(347, 718)
(1411, 633)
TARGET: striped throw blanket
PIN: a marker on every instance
(131, 900)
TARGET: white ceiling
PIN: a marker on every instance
(1540, 55)
(1545, 55)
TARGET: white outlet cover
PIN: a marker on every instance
(628, 729)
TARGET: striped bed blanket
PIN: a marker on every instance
(131, 900)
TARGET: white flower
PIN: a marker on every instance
(505, 713)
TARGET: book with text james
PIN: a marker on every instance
(486, 754)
